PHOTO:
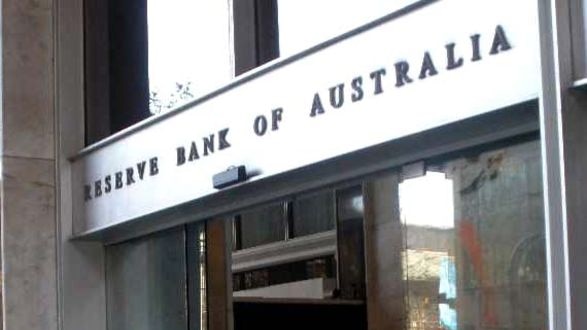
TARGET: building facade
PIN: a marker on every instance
(273, 164)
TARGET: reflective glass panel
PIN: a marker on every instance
(474, 232)
(351, 243)
(146, 283)
(149, 286)
(313, 213)
(303, 24)
(189, 50)
(262, 225)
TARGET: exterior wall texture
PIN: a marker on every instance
(29, 257)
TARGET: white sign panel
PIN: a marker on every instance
(443, 62)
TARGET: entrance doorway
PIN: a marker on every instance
(300, 262)
(448, 243)
(454, 242)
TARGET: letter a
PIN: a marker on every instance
(500, 41)
(317, 108)
(428, 69)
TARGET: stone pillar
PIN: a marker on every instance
(563, 125)
(383, 255)
(29, 246)
(81, 265)
(219, 275)
(49, 282)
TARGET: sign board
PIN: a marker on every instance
(441, 62)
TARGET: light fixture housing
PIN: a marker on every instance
(232, 176)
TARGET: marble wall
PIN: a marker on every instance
(29, 249)
(49, 281)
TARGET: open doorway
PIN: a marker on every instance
(449, 243)
(300, 262)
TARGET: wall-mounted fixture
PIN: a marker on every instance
(233, 175)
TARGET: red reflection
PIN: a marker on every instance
(472, 246)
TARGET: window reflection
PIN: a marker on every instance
(262, 225)
(146, 283)
(189, 52)
(460, 247)
(303, 24)
(313, 213)
(474, 255)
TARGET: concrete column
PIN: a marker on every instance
(81, 265)
(29, 253)
(49, 282)
(383, 255)
(563, 125)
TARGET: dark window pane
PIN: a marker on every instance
(262, 225)
(255, 33)
(313, 213)
(129, 82)
(146, 283)
(351, 246)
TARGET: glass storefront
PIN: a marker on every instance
(474, 253)
(471, 243)
(457, 243)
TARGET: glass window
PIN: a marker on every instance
(313, 213)
(148, 285)
(474, 230)
(144, 57)
(189, 52)
(262, 225)
(351, 243)
(303, 24)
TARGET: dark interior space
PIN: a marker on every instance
(262, 315)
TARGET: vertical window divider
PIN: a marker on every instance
(196, 280)
(188, 276)
(289, 223)
(237, 233)
(336, 247)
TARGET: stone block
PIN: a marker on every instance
(28, 78)
(29, 244)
